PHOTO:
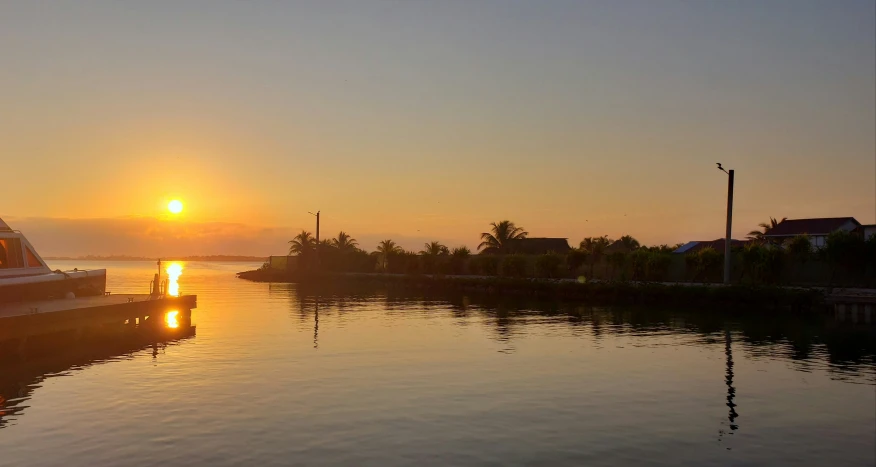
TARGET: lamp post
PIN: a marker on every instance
(727, 240)
(317, 225)
(316, 247)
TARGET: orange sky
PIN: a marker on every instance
(428, 122)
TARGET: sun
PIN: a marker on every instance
(175, 206)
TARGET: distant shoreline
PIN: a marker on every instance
(217, 258)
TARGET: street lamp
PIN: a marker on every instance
(729, 223)
(317, 225)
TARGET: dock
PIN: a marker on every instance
(25, 324)
(44, 339)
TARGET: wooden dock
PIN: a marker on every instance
(30, 322)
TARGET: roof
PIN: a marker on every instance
(717, 245)
(538, 245)
(820, 226)
(4, 226)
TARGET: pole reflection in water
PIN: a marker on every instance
(174, 270)
(316, 325)
(731, 391)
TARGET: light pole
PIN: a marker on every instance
(317, 225)
(727, 240)
(316, 247)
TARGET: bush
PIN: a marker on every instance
(548, 265)
(706, 264)
(658, 265)
(514, 266)
(639, 263)
(618, 261)
(575, 259)
(800, 247)
(486, 265)
(847, 252)
(429, 263)
(413, 265)
(456, 265)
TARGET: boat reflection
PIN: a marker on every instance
(25, 364)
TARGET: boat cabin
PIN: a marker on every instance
(17, 256)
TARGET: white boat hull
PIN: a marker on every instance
(52, 285)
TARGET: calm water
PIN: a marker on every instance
(276, 375)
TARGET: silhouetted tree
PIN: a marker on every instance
(461, 252)
(434, 249)
(302, 243)
(766, 227)
(496, 240)
(629, 242)
(387, 248)
(343, 242)
(595, 249)
(595, 244)
(458, 258)
(548, 265)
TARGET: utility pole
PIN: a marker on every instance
(727, 240)
(316, 247)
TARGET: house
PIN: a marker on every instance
(868, 231)
(817, 229)
(717, 245)
(538, 246)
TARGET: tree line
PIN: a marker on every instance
(845, 258)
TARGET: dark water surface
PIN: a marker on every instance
(277, 375)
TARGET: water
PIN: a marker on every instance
(277, 375)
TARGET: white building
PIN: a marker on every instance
(816, 229)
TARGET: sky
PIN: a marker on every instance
(422, 121)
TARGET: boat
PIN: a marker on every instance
(24, 275)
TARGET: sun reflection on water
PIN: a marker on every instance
(172, 319)
(174, 270)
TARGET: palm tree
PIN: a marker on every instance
(388, 248)
(302, 243)
(629, 242)
(434, 249)
(343, 242)
(757, 234)
(595, 249)
(595, 245)
(496, 240)
(461, 252)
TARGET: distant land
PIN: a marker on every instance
(170, 258)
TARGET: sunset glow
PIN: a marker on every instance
(175, 206)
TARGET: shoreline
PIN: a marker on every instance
(602, 292)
